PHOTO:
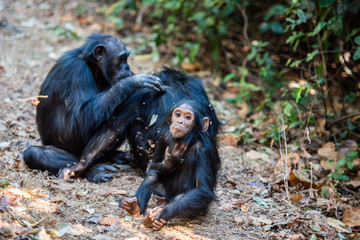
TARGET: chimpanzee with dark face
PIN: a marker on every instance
(85, 88)
(183, 169)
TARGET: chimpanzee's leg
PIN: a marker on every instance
(48, 158)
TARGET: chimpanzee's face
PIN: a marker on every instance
(182, 121)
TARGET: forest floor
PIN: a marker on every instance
(251, 204)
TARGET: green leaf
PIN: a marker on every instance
(260, 201)
(298, 94)
(194, 50)
(296, 63)
(276, 27)
(311, 55)
(357, 54)
(318, 28)
(357, 40)
(295, 36)
(264, 27)
(295, 124)
(341, 162)
(301, 15)
(287, 109)
(350, 164)
(4, 182)
(326, 3)
(229, 77)
(339, 176)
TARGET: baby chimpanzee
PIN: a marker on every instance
(183, 170)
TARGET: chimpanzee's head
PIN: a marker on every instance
(110, 56)
(188, 117)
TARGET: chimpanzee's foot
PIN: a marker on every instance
(130, 205)
(153, 219)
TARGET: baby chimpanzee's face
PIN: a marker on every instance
(182, 121)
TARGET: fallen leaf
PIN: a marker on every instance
(227, 207)
(351, 217)
(354, 183)
(260, 201)
(243, 110)
(8, 200)
(296, 197)
(229, 140)
(112, 191)
(190, 66)
(295, 237)
(305, 154)
(89, 209)
(42, 235)
(60, 230)
(254, 155)
(346, 147)
(327, 151)
(338, 225)
(292, 159)
(108, 221)
(102, 237)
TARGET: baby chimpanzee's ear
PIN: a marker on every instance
(205, 124)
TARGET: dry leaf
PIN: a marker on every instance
(226, 207)
(305, 154)
(8, 200)
(190, 66)
(112, 191)
(229, 140)
(327, 151)
(296, 197)
(338, 225)
(243, 110)
(351, 217)
(108, 221)
(295, 237)
(292, 159)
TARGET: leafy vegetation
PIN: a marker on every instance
(297, 56)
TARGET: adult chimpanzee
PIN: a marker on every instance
(84, 89)
(183, 169)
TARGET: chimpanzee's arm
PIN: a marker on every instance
(101, 107)
(165, 162)
(157, 161)
(143, 193)
(195, 201)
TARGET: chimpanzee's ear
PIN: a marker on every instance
(205, 124)
(99, 52)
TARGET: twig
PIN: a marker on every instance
(32, 98)
(344, 117)
(246, 23)
(228, 62)
(140, 15)
(286, 174)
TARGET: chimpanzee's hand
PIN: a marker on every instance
(144, 80)
(175, 157)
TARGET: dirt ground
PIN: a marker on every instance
(37, 205)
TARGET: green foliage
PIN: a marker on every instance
(208, 20)
(305, 37)
(343, 165)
